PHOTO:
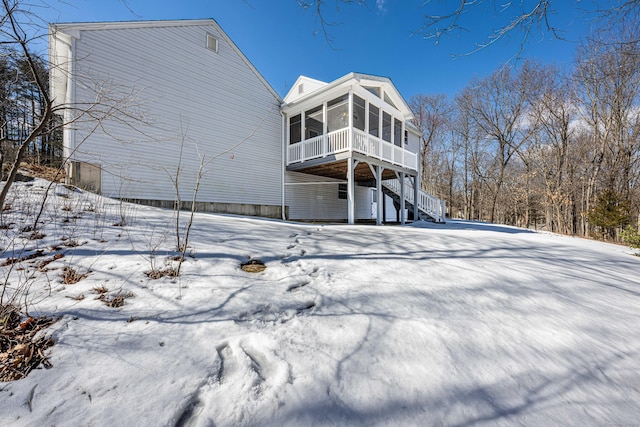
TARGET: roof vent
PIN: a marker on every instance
(212, 43)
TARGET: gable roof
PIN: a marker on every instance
(303, 86)
(364, 80)
(73, 29)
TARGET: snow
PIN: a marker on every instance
(427, 324)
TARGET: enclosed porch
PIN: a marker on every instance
(356, 129)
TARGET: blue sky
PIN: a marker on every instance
(283, 40)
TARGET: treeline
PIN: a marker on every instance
(542, 147)
(21, 108)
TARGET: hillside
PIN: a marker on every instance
(455, 324)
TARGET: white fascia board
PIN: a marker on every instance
(313, 96)
(74, 29)
(355, 81)
(364, 93)
(390, 89)
(119, 25)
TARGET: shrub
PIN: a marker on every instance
(631, 236)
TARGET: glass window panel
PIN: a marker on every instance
(374, 120)
(373, 90)
(386, 126)
(338, 113)
(295, 129)
(358, 112)
(342, 191)
(313, 125)
(389, 101)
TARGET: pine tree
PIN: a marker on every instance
(611, 212)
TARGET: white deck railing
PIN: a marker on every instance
(427, 203)
(357, 141)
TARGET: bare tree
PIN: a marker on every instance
(13, 34)
(608, 78)
(498, 105)
(462, 132)
(554, 109)
(431, 115)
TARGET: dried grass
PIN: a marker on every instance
(115, 301)
(20, 350)
(158, 274)
(10, 261)
(102, 289)
(42, 266)
(70, 276)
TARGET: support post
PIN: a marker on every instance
(403, 216)
(384, 208)
(351, 191)
(416, 198)
(325, 137)
(380, 194)
(350, 122)
(303, 136)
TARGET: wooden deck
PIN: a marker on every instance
(336, 167)
(327, 155)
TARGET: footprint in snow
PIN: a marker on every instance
(298, 285)
(250, 369)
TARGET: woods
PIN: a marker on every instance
(536, 146)
(22, 106)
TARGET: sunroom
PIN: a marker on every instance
(357, 129)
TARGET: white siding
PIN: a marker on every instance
(311, 197)
(414, 142)
(212, 104)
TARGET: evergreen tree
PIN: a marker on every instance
(610, 213)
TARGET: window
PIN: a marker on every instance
(397, 132)
(406, 137)
(358, 112)
(386, 126)
(373, 90)
(212, 43)
(313, 125)
(374, 120)
(295, 129)
(300, 88)
(389, 101)
(338, 113)
(342, 191)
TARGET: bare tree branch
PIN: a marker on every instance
(318, 8)
(19, 37)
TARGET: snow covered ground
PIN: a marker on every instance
(458, 324)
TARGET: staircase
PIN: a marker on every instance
(429, 206)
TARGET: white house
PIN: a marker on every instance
(158, 106)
